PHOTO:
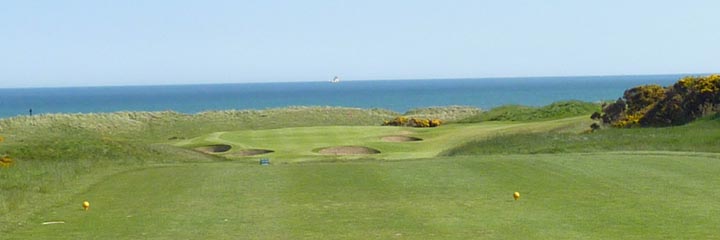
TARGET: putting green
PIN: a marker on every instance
(305, 143)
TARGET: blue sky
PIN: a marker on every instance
(95, 43)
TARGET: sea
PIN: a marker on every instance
(396, 95)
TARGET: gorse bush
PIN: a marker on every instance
(413, 122)
(652, 105)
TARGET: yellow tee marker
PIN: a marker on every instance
(6, 161)
(516, 196)
(86, 205)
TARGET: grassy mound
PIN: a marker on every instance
(252, 152)
(555, 110)
(700, 136)
(450, 113)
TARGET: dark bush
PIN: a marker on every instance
(688, 99)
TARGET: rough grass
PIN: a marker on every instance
(556, 110)
(161, 126)
(448, 114)
(700, 136)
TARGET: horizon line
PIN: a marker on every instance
(364, 80)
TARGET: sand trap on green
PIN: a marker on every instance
(401, 138)
(215, 148)
(348, 150)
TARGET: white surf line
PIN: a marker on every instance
(53, 222)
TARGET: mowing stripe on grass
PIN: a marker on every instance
(568, 196)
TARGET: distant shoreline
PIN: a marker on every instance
(396, 95)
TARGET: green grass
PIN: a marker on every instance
(59, 154)
(301, 144)
(700, 136)
(615, 183)
(555, 110)
(152, 127)
(571, 196)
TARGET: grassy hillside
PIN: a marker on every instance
(572, 196)
(447, 114)
(700, 136)
(160, 126)
(555, 110)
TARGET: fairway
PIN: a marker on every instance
(569, 196)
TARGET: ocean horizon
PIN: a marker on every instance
(395, 95)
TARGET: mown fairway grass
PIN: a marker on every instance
(569, 196)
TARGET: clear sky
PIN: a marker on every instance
(136, 42)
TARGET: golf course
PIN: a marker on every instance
(337, 173)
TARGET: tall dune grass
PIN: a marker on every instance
(557, 110)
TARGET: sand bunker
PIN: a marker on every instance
(400, 139)
(252, 152)
(348, 150)
(217, 148)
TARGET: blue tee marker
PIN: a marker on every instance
(264, 161)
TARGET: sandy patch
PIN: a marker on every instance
(217, 148)
(348, 150)
(400, 139)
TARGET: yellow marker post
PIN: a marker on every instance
(516, 196)
(86, 205)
